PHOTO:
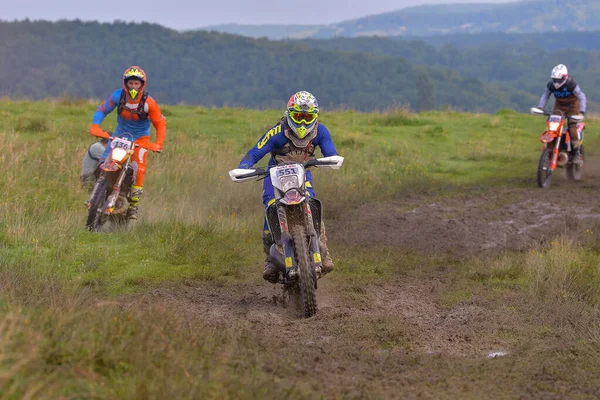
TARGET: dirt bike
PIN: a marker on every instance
(294, 220)
(108, 201)
(556, 150)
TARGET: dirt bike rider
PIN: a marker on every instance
(136, 110)
(294, 138)
(570, 100)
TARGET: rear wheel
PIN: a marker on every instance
(307, 276)
(574, 171)
(544, 173)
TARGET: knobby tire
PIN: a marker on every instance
(544, 175)
(93, 219)
(306, 273)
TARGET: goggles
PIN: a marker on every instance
(558, 80)
(302, 116)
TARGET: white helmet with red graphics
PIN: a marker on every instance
(559, 75)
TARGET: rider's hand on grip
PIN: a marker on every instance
(154, 147)
(95, 130)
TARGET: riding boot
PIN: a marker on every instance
(576, 156)
(325, 254)
(270, 272)
(134, 197)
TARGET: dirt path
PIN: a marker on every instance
(399, 339)
(388, 340)
(485, 222)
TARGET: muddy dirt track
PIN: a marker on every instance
(478, 223)
(398, 338)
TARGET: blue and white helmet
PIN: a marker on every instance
(302, 114)
(559, 75)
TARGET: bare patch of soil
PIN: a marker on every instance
(486, 222)
(388, 340)
(400, 338)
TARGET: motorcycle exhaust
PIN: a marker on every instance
(563, 159)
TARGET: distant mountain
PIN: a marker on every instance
(517, 17)
(269, 31)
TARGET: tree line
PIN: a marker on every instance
(86, 59)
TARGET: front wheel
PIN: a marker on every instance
(544, 173)
(98, 198)
(575, 171)
(307, 276)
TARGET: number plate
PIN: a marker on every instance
(286, 171)
(121, 143)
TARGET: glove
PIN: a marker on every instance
(95, 130)
(154, 147)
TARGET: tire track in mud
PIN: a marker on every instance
(378, 330)
(405, 308)
(485, 223)
(490, 222)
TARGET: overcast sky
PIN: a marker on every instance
(191, 14)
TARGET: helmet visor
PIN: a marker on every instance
(303, 117)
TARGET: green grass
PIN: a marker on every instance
(65, 333)
(188, 191)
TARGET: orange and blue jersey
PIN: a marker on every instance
(129, 121)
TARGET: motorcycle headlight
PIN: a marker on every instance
(118, 154)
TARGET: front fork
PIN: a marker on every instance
(286, 243)
(315, 253)
(555, 151)
(288, 246)
(112, 199)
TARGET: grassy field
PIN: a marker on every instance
(68, 331)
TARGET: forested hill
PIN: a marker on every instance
(514, 62)
(43, 59)
(518, 17)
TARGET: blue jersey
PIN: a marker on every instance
(275, 140)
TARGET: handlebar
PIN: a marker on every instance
(539, 111)
(239, 174)
(266, 170)
(257, 172)
(150, 146)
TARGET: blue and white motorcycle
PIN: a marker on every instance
(295, 223)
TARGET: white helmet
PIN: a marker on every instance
(559, 75)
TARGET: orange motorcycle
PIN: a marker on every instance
(109, 200)
(556, 149)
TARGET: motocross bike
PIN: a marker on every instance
(108, 201)
(556, 150)
(294, 220)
